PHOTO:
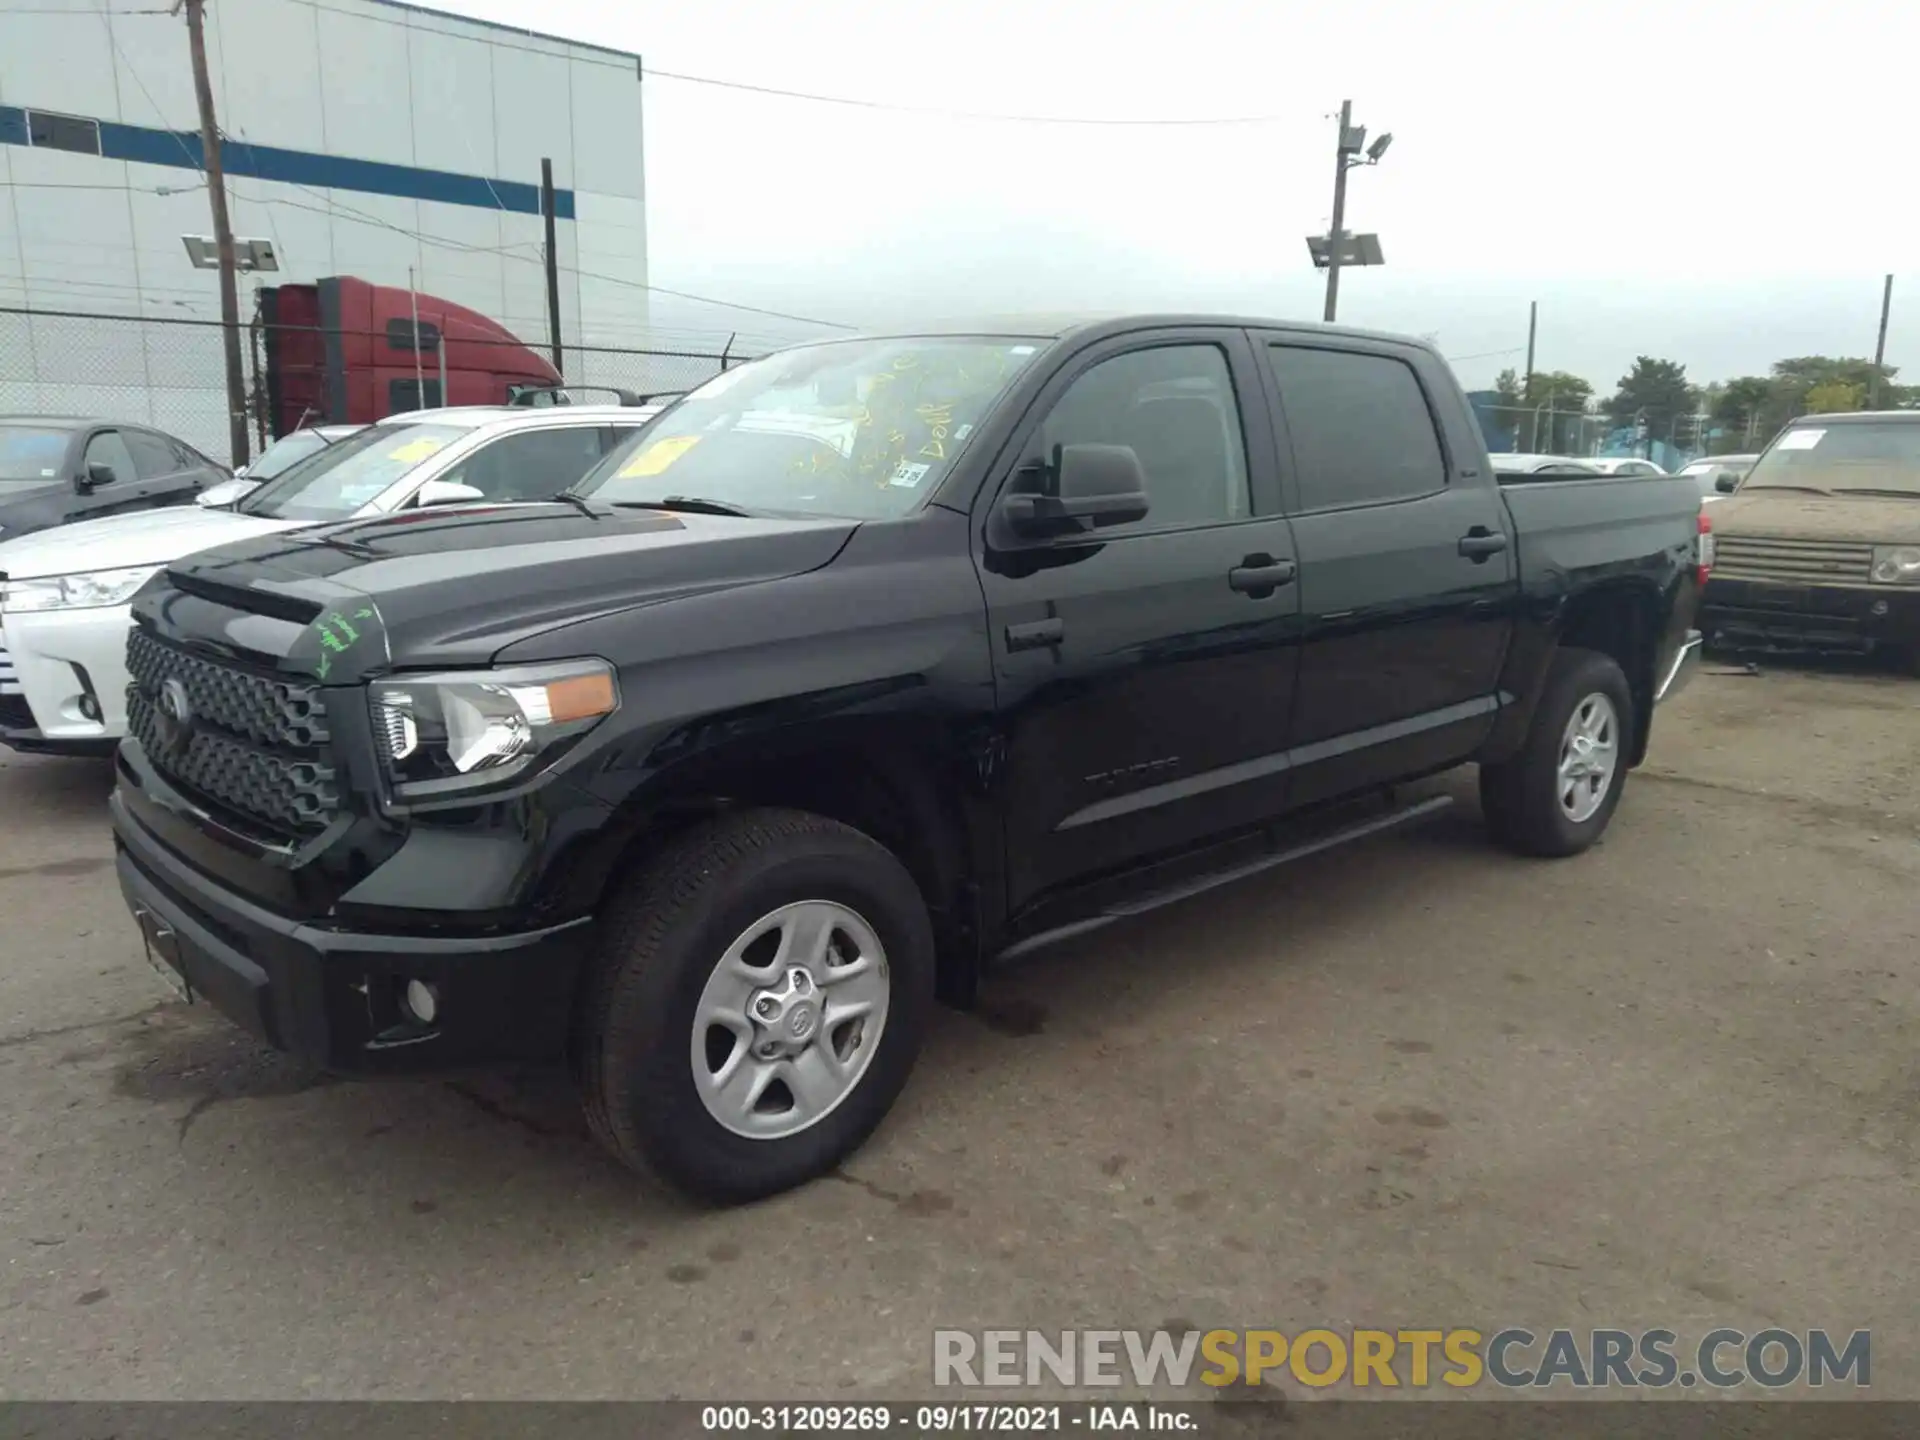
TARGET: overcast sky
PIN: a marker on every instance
(1716, 183)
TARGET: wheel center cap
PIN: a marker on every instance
(800, 1021)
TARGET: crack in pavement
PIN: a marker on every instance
(1877, 821)
(8, 1042)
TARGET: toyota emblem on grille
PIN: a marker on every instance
(176, 713)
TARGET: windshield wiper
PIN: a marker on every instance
(582, 504)
(1871, 490)
(695, 504)
(1807, 489)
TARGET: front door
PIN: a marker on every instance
(1407, 567)
(1145, 671)
(123, 492)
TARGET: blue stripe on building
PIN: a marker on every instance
(181, 149)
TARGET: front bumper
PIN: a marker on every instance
(1853, 619)
(334, 997)
(65, 664)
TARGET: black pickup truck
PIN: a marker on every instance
(865, 665)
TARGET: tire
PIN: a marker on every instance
(660, 947)
(1522, 798)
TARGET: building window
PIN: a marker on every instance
(63, 132)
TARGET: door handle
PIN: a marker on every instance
(1260, 575)
(1036, 634)
(1479, 542)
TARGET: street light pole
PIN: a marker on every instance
(1334, 233)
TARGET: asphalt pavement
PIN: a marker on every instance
(1419, 1082)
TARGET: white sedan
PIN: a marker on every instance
(64, 599)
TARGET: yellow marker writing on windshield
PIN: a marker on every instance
(416, 450)
(655, 458)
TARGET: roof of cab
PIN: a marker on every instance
(1860, 417)
(1083, 325)
(477, 415)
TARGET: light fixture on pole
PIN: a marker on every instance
(1337, 249)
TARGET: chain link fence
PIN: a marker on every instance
(1669, 441)
(171, 373)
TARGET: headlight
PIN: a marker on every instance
(1896, 564)
(91, 591)
(451, 732)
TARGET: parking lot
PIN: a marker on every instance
(1672, 1083)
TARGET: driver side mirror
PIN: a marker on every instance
(446, 492)
(1086, 487)
(1727, 482)
(98, 473)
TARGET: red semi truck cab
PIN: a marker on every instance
(343, 351)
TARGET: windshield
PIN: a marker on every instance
(285, 453)
(1867, 455)
(859, 428)
(336, 482)
(30, 456)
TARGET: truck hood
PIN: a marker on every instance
(452, 586)
(149, 537)
(1793, 514)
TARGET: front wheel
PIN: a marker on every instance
(1556, 796)
(761, 993)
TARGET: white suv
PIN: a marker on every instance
(64, 593)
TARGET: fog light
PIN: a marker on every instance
(422, 1001)
(90, 708)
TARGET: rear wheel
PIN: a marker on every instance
(1558, 794)
(761, 994)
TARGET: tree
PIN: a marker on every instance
(1654, 391)
(1507, 394)
(1831, 397)
(1740, 410)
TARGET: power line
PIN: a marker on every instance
(1484, 355)
(506, 252)
(945, 114)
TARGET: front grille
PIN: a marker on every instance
(9, 678)
(1792, 562)
(280, 713)
(255, 745)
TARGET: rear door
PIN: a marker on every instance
(166, 477)
(1143, 674)
(1407, 565)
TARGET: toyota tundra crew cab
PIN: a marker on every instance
(865, 665)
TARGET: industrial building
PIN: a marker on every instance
(361, 138)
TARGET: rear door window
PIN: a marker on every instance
(1361, 430)
(153, 457)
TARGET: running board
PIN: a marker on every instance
(1156, 899)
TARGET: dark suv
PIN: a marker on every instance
(1819, 543)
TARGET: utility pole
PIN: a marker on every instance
(1335, 233)
(222, 230)
(553, 267)
(1880, 345)
(1533, 324)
